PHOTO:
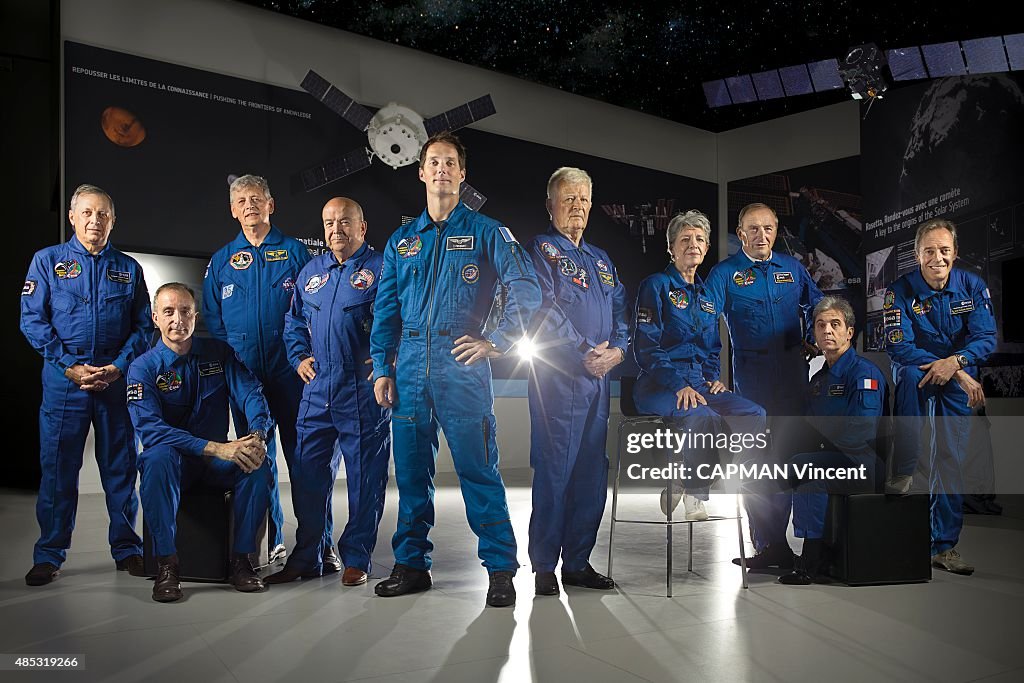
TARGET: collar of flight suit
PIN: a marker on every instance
(354, 262)
(275, 236)
(168, 355)
(922, 290)
(424, 222)
(678, 281)
(78, 247)
(843, 364)
(768, 261)
(564, 243)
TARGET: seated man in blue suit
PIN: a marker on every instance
(178, 394)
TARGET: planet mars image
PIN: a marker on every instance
(122, 127)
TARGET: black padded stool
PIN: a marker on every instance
(205, 537)
(877, 539)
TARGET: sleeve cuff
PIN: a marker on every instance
(499, 342)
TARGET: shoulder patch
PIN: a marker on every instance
(889, 300)
(869, 384)
(134, 392)
(644, 315)
(893, 317)
(507, 234)
(226, 291)
(894, 336)
(29, 288)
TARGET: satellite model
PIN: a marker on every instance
(395, 134)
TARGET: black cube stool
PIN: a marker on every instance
(877, 539)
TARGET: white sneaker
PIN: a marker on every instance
(899, 485)
(951, 561)
(670, 498)
(694, 509)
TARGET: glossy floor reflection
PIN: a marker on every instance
(952, 629)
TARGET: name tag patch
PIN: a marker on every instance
(836, 389)
(168, 381)
(119, 276)
(277, 255)
(644, 315)
(213, 367)
(68, 270)
(959, 307)
(459, 243)
(241, 260)
(226, 291)
(707, 306)
(135, 391)
(782, 277)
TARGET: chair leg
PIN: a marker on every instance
(739, 532)
(668, 561)
(689, 548)
(615, 496)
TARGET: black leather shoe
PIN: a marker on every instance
(287, 575)
(331, 563)
(772, 555)
(587, 578)
(545, 583)
(501, 592)
(167, 587)
(797, 577)
(243, 576)
(403, 579)
(41, 574)
(131, 564)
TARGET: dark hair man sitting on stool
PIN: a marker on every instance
(178, 395)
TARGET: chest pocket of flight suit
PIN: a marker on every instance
(412, 288)
(748, 318)
(116, 313)
(462, 269)
(69, 324)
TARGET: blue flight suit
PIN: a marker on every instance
(583, 304)
(180, 403)
(763, 302)
(922, 325)
(439, 283)
(79, 308)
(330, 319)
(677, 345)
(246, 292)
(843, 404)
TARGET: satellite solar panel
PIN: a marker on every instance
(825, 75)
(796, 80)
(1015, 50)
(318, 176)
(944, 59)
(768, 85)
(337, 101)
(461, 116)
(717, 94)
(906, 64)
(985, 55)
(741, 88)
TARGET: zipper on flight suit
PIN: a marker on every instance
(259, 309)
(433, 285)
(487, 432)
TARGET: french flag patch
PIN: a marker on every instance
(869, 384)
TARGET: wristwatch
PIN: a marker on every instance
(961, 360)
(260, 433)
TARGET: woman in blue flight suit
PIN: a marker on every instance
(677, 347)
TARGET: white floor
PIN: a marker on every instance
(952, 629)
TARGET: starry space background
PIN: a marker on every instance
(653, 56)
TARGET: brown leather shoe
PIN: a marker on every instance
(243, 576)
(353, 577)
(132, 564)
(167, 587)
(289, 574)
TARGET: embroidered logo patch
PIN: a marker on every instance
(679, 298)
(782, 277)
(409, 246)
(168, 381)
(607, 279)
(68, 270)
(507, 234)
(567, 266)
(550, 252)
(889, 300)
(894, 336)
(276, 255)
(135, 391)
(119, 276)
(707, 306)
(644, 315)
(836, 389)
(211, 368)
(288, 284)
(922, 307)
(241, 260)
(362, 279)
(893, 317)
(580, 279)
(744, 278)
(459, 243)
(226, 291)
(29, 289)
(314, 283)
(870, 384)
(602, 266)
(470, 273)
(959, 307)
